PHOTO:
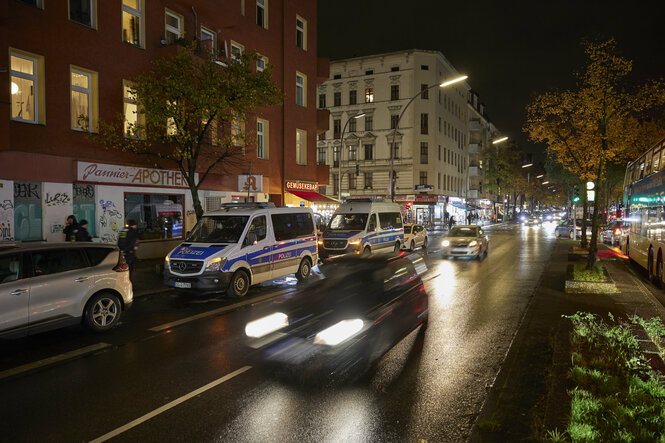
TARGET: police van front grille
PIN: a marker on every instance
(334, 244)
(186, 266)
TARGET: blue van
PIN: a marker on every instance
(241, 245)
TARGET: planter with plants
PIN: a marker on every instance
(580, 280)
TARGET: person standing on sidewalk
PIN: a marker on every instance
(128, 241)
(83, 234)
(71, 228)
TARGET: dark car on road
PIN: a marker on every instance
(335, 328)
(612, 232)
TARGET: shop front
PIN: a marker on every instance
(418, 208)
(305, 193)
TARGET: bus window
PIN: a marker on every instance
(647, 165)
(656, 161)
(641, 169)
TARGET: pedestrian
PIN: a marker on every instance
(83, 234)
(71, 228)
(446, 215)
(128, 242)
(469, 218)
(451, 222)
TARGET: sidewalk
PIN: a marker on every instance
(147, 278)
(528, 395)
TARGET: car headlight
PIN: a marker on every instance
(166, 260)
(355, 242)
(445, 243)
(266, 325)
(215, 264)
(473, 243)
(339, 332)
(319, 241)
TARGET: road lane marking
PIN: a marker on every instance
(169, 405)
(51, 360)
(221, 310)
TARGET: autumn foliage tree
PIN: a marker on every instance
(597, 123)
(190, 114)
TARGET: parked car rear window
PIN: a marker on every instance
(53, 261)
(293, 225)
(97, 255)
(390, 220)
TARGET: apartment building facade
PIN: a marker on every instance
(430, 148)
(49, 168)
(481, 133)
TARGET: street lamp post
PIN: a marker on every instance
(391, 177)
(341, 149)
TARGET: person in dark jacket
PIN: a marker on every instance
(83, 234)
(71, 228)
(128, 241)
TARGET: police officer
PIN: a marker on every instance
(128, 241)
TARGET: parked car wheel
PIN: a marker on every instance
(425, 243)
(304, 269)
(102, 312)
(412, 245)
(571, 234)
(239, 284)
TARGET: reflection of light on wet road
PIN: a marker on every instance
(444, 284)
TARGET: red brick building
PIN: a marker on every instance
(67, 58)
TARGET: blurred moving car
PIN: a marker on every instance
(50, 285)
(533, 221)
(565, 228)
(466, 241)
(415, 236)
(612, 232)
(338, 326)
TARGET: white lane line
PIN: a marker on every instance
(216, 311)
(52, 360)
(169, 405)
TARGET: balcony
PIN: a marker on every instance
(474, 148)
(472, 193)
(475, 125)
(474, 171)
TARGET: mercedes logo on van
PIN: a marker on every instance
(182, 266)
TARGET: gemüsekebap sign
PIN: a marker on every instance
(130, 175)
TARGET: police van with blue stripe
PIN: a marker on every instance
(241, 245)
(363, 226)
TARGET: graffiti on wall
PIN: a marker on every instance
(6, 210)
(84, 205)
(27, 211)
(57, 199)
(110, 221)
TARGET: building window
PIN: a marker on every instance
(130, 110)
(423, 177)
(369, 151)
(158, 216)
(337, 76)
(321, 157)
(352, 180)
(352, 125)
(337, 128)
(394, 69)
(131, 22)
(301, 33)
(336, 151)
(439, 152)
(352, 97)
(439, 91)
(261, 63)
(209, 40)
(236, 52)
(395, 149)
(424, 123)
(301, 82)
(438, 180)
(335, 182)
(82, 11)
(26, 88)
(393, 121)
(262, 139)
(439, 124)
(172, 26)
(322, 101)
(424, 89)
(301, 147)
(353, 153)
(424, 67)
(262, 13)
(35, 3)
(337, 99)
(82, 97)
(369, 95)
(368, 180)
(394, 92)
(369, 123)
(424, 153)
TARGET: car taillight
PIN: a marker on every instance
(122, 265)
(617, 231)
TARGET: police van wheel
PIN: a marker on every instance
(304, 270)
(366, 252)
(239, 284)
(397, 248)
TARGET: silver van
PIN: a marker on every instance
(50, 285)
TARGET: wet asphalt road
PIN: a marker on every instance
(430, 386)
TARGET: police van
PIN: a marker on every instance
(241, 245)
(363, 226)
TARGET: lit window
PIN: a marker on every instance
(262, 139)
(130, 110)
(236, 52)
(301, 33)
(82, 11)
(209, 40)
(301, 147)
(24, 88)
(423, 177)
(261, 63)
(81, 106)
(131, 22)
(301, 82)
(173, 26)
(369, 95)
(262, 13)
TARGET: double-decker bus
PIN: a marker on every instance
(644, 200)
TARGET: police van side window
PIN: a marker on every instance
(290, 226)
(371, 224)
(258, 227)
(390, 220)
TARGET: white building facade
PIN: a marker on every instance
(431, 154)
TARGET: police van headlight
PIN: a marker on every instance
(215, 264)
(355, 242)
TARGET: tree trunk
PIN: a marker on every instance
(593, 249)
(585, 211)
(198, 208)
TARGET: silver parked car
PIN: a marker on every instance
(49, 285)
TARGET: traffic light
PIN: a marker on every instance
(576, 195)
(357, 170)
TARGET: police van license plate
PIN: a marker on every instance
(183, 284)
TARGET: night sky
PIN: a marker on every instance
(510, 50)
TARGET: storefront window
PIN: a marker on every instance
(158, 216)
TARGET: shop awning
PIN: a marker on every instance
(314, 197)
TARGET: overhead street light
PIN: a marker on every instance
(540, 176)
(499, 140)
(341, 149)
(527, 165)
(392, 145)
(545, 182)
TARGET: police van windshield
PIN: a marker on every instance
(219, 229)
(348, 222)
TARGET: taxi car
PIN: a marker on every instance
(466, 241)
(415, 236)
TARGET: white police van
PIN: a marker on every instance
(363, 226)
(241, 245)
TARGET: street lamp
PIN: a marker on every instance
(499, 140)
(545, 182)
(341, 148)
(527, 165)
(392, 145)
(540, 176)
